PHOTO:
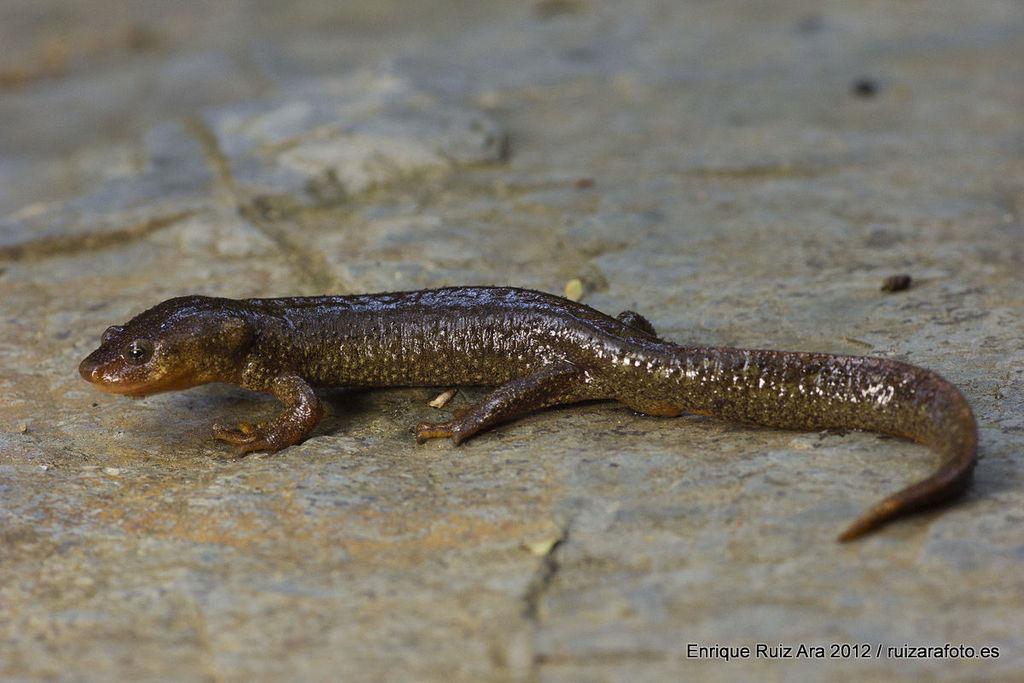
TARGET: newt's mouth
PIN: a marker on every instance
(100, 376)
(113, 381)
(92, 372)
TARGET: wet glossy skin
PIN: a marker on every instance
(541, 350)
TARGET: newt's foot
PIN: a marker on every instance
(454, 428)
(451, 429)
(249, 437)
(245, 433)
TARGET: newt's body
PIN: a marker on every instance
(541, 350)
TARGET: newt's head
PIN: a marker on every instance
(176, 344)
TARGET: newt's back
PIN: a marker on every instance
(457, 335)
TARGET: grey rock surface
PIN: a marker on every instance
(740, 173)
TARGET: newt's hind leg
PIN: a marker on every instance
(554, 384)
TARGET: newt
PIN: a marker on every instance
(540, 350)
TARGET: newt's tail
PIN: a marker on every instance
(953, 434)
(811, 391)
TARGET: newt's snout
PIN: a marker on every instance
(90, 370)
(98, 373)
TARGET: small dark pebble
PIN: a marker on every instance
(896, 283)
(583, 183)
(864, 87)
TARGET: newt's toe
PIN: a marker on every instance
(244, 434)
(433, 430)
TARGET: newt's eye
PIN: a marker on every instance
(138, 352)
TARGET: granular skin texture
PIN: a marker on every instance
(539, 350)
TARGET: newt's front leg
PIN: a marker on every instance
(555, 384)
(302, 412)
